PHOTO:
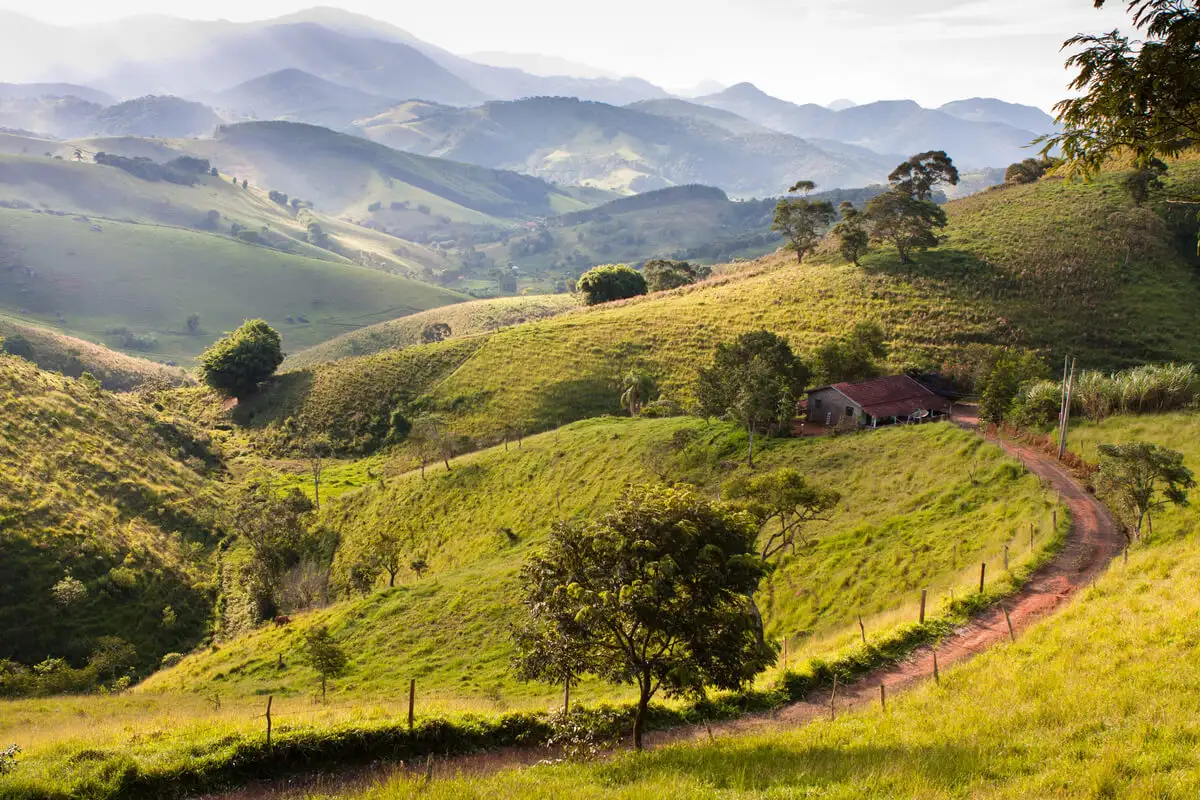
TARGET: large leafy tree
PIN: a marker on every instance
(663, 273)
(854, 357)
(655, 594)
(802, 221)
(921, 174)
(1139, 96)
(1144, 478)
(610, 282)
(321, 651)
(783, 502)
(755, 380)
(852, 232)
(905, 222)
(242, 360)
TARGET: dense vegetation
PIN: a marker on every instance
(108, 519)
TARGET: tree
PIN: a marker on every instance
(1145, 180)
(662, 274)
(905, 222)
(655, 594)
(1003, 378)
(419, 565)
(431, 442)
(435, 332)
(388, 549)
(852, 233)
(317, 451)
(238, 363)
(274, 525)
(755, 380)
(321, 651)
(111, 657)
(245, 183)
(636, 388)
(611, 282)
(1139, 96)
(1028, 171)
(802, 221)
(921, 174)
(782, 502)
(1144, 478)
(854, 357)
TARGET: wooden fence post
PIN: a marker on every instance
(982, 575)
(862, 629)
(1006, 558)
(412, 699)
(269, 699)
(1008, 619)
(936, 677)
(921, 619)
(833, 697)
(882, 697)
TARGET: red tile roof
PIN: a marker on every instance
(893, 396)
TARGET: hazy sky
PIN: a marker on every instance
(802, 50)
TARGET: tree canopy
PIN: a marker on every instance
(656, 594)
(905, 222)
(854, 357)
(1143, 478)
(663, 273)
(238, 363)
(782, 502)
(610, 282)
(1133, 95)
(321, 651)
(801, 221)
(921, 174)
(755, 380)
(852, 232)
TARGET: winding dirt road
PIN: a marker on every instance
(1093, 541)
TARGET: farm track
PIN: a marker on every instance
(1092, 542)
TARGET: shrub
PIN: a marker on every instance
(610, 282)
(68, 591)
(662, 408)
(242, 360)
(170, 660)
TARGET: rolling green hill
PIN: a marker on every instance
(464, 319)
(1098, 700)
(72, 357)
(114, 495)
(133, 285)
(1051, 266)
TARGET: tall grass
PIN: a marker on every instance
(1098, 395)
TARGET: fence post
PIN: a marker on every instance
(862, 629)
(1006, 558)
(412, 699)
(924, 592)
(936, 677)
(833, 697)
(567, 696)
(982, 574)
(882, 697)
(269, 699)
(1008, 619)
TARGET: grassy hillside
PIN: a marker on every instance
(1051, 266)
(113, 495)
(464, 319)
(897, 530)
(72, 357)
(133, 286)
(213, 204)
(1100, 700)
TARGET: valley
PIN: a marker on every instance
(499, 418)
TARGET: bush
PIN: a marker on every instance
(278, 197)
(662, 408)
(68, 591)
(611, 282)
(242, 360)
(170, 660)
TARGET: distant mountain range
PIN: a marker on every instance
(551, 118)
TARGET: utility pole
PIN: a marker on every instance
(1065, 422)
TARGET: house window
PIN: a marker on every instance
(817, 403)
(849, 411)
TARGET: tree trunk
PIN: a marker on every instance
(799, 256)
(391, 579)
(322, 687)
(639, 719)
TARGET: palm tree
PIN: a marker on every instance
(636, 388)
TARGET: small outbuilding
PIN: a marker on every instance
(895, 399)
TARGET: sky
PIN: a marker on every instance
(931, 51)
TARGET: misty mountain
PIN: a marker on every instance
(295, 95)
(987, 109)
(894, 126)
(570, 141)
(33, 91)
(539, 65)
(71, 117)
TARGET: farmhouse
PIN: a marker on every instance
(883, 401)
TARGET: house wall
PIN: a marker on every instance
(831, 405)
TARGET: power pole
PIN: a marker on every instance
(1064, 429)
